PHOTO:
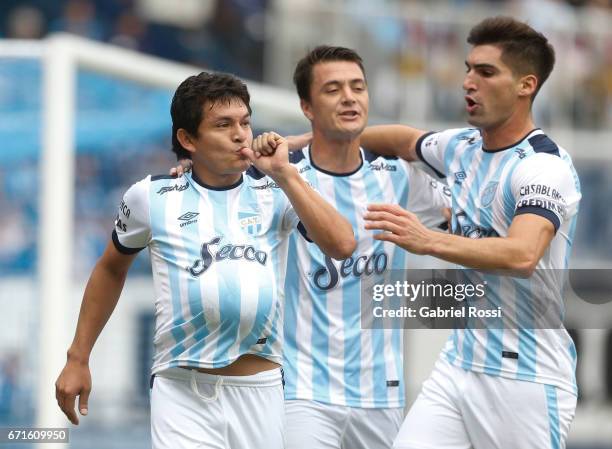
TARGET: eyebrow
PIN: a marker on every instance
(481, 66)
(230, 117)
(338, 82)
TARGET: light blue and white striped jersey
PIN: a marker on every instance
(328, 357)
(490, 188)
(218, 258)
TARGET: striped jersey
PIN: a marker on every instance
(490, 188)
(328, 357)
(218, 257)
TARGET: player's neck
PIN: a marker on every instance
(508, 133)
(211, 180)
(335, 155)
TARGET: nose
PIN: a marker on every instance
(348, 96)
(469, 84)
(240, 133)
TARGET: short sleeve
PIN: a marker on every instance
(132, 231)
(427, 197)
(544, 185)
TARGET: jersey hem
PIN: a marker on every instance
(346, 403)
(513, 375)
(191, 363)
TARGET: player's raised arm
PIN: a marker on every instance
(324, 225)
(99, 300)
(392, 140)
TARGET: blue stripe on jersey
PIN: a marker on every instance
(192, 241)
(292, 295)
(495, 334)
(553, 416)
(527, 343)
(351, 307)
(229, 293)
(158, 220)
(379, 375)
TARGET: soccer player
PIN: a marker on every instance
(515, 197)
(218, 243)
(344, 385)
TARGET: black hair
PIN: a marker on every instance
(302, 76)
(524, 50)
(191, 96)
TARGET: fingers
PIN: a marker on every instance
(66, 404)
(383, 225)
(266, 144)
(390, 208)
(83, 402)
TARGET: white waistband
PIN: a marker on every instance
(267, 378)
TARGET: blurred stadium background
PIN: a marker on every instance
(413, 52)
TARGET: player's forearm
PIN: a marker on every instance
(392, 140)
(326, 227)
(492, 253)
(99, 300)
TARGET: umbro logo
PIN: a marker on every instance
(459, 176)
(188, 218)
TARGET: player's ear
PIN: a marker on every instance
(186, 140)
(528, 85)
(306, 109)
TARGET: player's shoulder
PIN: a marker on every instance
(546, 154)
(452, 137)
(378, 163)
(164, 184)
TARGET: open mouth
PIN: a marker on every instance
(349, 114)
(471, 104)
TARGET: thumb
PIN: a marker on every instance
(248, 153)
(83, 400)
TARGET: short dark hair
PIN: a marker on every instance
(302, 77)
(524, 50)
(193, 93)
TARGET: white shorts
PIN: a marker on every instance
(190, 409)
(314, 425)
(459, 409)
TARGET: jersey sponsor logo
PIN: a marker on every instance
(488, 194)
(468, 229)
(268, 185)
(327, 277)
(121, 226)
(208, 255)
(541, 189)
(303, 169)
(250, 222)
(174, 188)
(124, 209)
(188, 218)
(381, 166)
(459, 176)
(541, 203)
(470, 140)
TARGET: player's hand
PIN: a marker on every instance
(299, 142)
(270, 154)
(182, 166)
(74, 380)
(400, 227)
